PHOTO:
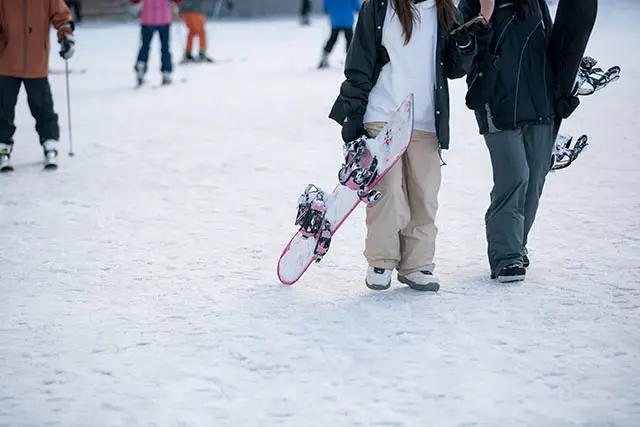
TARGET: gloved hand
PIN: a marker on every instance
(67, 46)
(461, 37)
(564, 107)
(353, 128)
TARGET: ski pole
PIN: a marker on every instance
(66, 73)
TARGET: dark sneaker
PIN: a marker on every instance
(511, 273)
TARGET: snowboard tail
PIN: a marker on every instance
(320, 214)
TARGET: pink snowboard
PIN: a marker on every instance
(388, 147)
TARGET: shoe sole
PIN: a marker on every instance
(509, 279)
(377, 287)
(427, 287)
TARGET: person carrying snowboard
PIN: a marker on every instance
(155, 16)
(402, 47)
(193, 15)
(24, 59)
(341, 14)
(511, 90)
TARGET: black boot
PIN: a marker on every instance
(204, 58)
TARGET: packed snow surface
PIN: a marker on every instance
(138, 282)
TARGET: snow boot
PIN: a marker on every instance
(421, 281)
(50, 148)
(378, 279)
(166, 78)
(5, 158)
(140, 69)
(525, 261)
(187, 58)
(324, 61)
(204, 58)
(511, 273)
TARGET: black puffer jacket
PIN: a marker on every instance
(524, 92)
(367, 56)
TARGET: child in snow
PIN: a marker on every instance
(341, 16)
(24, 59)
(514, 110)
(193, 15)
(402, 47)
(155, 16)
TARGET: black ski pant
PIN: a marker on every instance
(521, 159)
(305, 8)
(76, 5)
(333, 38)
(40, 102)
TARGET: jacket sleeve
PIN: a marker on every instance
(360, 63)
(61, 18)
(459, 59)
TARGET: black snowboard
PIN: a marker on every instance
(572, 29)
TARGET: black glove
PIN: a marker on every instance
(353, 128)
(461, 37)
(67, 46)
(564, 107)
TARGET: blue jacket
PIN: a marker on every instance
(341, 12)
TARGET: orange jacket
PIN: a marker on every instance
(24, 35)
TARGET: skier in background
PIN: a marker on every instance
(155, 16)
(25, 60)
(341, 14)
(514, 108)
(400, 48)
(193, 15)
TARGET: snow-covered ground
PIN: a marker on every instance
(138, 282)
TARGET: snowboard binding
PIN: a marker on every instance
(564, 154)
(591, 78)
(359, 170)
(311, 218)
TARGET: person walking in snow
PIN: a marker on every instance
(514, 108)
(341, 14)
(24, 59)
(193, 15)
(155, 16)
(402, 47)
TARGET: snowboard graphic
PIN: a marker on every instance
(320, 214)
(572, 27)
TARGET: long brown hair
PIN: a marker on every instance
(408, 13)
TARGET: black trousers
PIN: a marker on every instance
(305, 8)
(333, 38)
(76, 5)
(40, 103)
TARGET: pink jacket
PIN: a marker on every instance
(156, 12)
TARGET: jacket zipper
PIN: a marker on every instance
(26, 35)
(524, 48)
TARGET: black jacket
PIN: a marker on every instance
(524, 91)
(367, 56)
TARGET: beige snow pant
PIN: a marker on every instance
(401, 230)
